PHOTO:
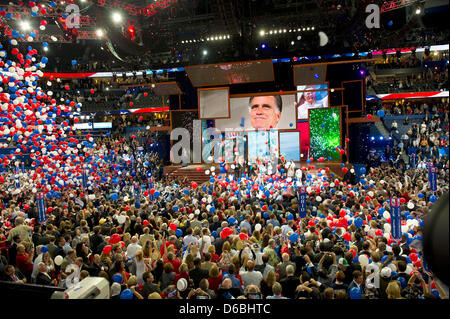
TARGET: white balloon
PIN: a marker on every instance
(258, 227)
(318, 198)
(213, 168)
(386, 214)
(58, 260)
(363, 260)
(410, 205)
(387, 228)
(121, 219)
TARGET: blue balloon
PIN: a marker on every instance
(117, 278)
(214, 234)
(157, 194)
(380, 113)
(355, 293)
(402, 282)
(433, 198)
(126, 294)
(266, 215)
(179, 232)
(232, 220)
(362, 170)
(44, 249)
(212, 209)
(289, 216)
(420, 195)
(293, 237)
(114, 196)
(358, 222)
(175, 208)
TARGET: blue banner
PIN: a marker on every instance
(84, 179)
(302, 202)
(23, 167)
(432, 178)
(396, 219)
(17, 182)
(137, 196)
(40, 203)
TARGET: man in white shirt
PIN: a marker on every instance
(133, 247)
(251, 277)
(189, 239)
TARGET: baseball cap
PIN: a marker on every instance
(386, 272)
(343, 262)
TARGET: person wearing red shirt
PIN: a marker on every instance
(24, 261)
(183, 273)
(170, 242)
(215, 278)
(175, 262)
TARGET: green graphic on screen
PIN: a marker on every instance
(325, 135)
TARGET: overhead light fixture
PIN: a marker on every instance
(284, 31)
(308, 28)
(418, 10)
(99, 32)
(312, 28)
(292, 42)
(25, 25)
(117, 17)
(304, 29)
(45, 49)
(205, 52)
(270, 32)
(220, 37)
(207, 39)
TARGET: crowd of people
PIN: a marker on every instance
(227, 240)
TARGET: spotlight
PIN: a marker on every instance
(25, 25)
(372, 138)
(205, 52)
(45, 49)
(418, 10)
(361, 72)
(99, 33)
(117, 17)
(292, 42)
(270, 32)
(316, 76)
(381, 138)
(263, 46)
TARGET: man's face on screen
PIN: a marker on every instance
(264, 113)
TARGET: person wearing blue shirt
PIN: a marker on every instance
(246, 224)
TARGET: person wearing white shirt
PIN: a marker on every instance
(133, 247)
(205, 241)
(189, 238)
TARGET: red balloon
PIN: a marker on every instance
(107, 249)
(347, 236)
(173, 226)
(369, 116)
(127, 208)
(146, 193)
(115, 238)
(243, 236)
(342, 213)
(145, 222)
(198, 169)
(122, 244)
(353, 252)
(152, 191)
(413, 257)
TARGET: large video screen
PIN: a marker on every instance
(260, 113)
(312, 99)
(262, 145)
(231, 73)
(290, 146)
(325, 133)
